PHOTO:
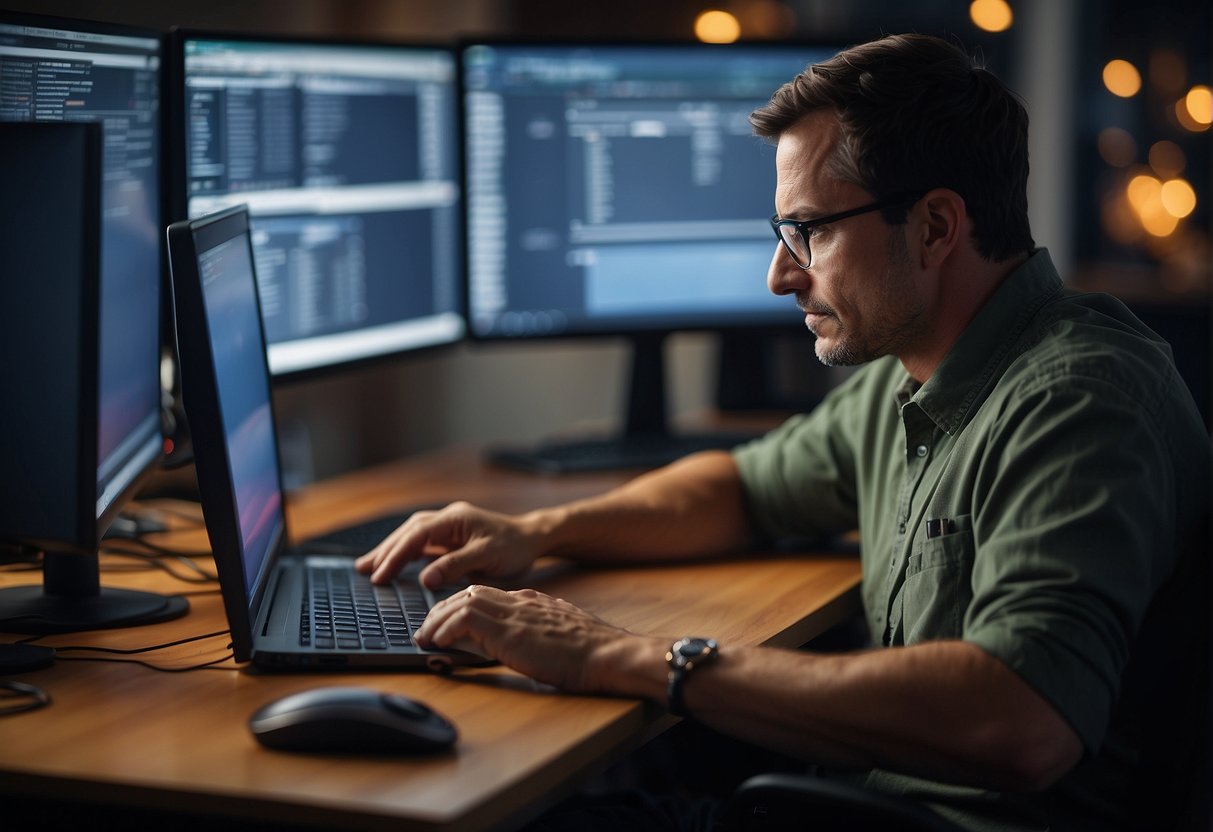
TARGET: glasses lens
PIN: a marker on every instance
(796, 245)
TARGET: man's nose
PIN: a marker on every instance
(784, 277)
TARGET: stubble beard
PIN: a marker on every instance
(891, 330)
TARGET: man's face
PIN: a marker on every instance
(859, 294)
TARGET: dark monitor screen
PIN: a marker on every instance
(57, 70)
(619, 188)
(82, 256)
(347, 157)
(226, 276)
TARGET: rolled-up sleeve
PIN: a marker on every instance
(1073, 519)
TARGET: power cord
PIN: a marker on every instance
(130, 651)
(19, 697)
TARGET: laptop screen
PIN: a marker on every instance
(241, 379)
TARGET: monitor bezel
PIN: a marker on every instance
(186, 240)
(176, 181)
(659, 329)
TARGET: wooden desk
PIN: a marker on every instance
(121, 733)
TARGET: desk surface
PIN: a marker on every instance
(120, 733)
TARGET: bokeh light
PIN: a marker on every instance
(1167, 158)
(716, 26)
(1121, 78)
(766, 19)
(1178, 198)
(991, 15)
(1199, 103)
(1116, 146)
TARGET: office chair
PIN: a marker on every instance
(785, 802)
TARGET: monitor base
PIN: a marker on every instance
(28, 609)
(22, 658)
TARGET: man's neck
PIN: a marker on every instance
(963, 291)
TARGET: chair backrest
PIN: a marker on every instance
(777, 802)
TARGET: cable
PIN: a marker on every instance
(134, 650)
(19, 697)
(155, 547)
(192, 518)
(154, 561)
(129, 651)
(150, 666)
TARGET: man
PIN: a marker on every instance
(1026, 469)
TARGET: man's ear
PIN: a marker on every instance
(943, 223)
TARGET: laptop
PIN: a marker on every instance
(303, 608)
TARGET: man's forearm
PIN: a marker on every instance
(692, 508)
(944, 710)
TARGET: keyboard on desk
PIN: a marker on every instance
(638, 452)
(360, 538)
(343, 610)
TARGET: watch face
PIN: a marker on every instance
(690, 650)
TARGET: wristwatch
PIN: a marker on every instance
(684, 656)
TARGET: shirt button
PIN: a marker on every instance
(921, 450)
(901, 527)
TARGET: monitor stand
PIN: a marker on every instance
(71, 598)
(646, 441)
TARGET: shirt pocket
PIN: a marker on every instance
(938, 586)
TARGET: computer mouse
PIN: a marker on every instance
(351, 719)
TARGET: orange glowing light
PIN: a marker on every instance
(715, 26)
(1121, 78)
(1199, 104)
(1178, 198)
(991, 15)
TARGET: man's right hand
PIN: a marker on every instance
(467, 541)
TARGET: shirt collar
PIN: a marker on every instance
(961, 381)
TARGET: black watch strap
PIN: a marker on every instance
(683, 658)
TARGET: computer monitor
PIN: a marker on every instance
(347, 157)
(80, 307)
(617, 189)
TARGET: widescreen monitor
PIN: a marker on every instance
(617, 189)
(84, 331)
(347, 157)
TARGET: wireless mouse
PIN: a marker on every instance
(351, 719)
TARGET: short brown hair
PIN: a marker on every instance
(916, 112)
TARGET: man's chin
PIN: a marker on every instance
(833, 354)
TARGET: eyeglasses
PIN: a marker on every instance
(794, 234)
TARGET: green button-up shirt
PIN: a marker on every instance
(1042, 496)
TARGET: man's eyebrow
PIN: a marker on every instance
(802, 212)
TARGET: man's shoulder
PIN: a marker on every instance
(1092, 338)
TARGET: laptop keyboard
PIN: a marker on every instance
(343, 610)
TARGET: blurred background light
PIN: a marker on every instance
(1167, 158)
(1178, 198)
(1121, 78)
(991, 15)
(716, 26)
(1199, 103)
(768, 19)
(1116, 146)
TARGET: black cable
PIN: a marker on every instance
(34, 697)
(155, 547)
(155, 561)
(150, 666)
(128, 651)
(195, 521)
